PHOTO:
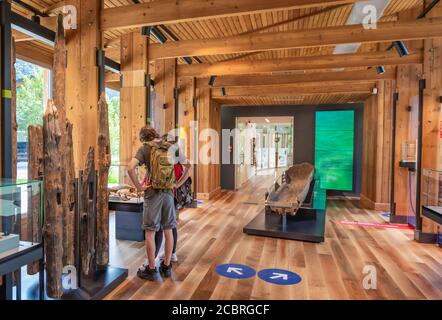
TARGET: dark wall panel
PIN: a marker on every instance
(304, 134)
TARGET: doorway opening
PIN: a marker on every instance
(263, 144)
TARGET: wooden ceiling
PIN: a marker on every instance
(299, 19)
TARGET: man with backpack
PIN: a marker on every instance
(159, 209)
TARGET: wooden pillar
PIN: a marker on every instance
(431, 146)
(133, 93)
(377, 148)
(164, 104)
(186, 124)
(82, 77)
(209, 117)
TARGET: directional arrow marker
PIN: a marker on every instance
(279, 277)
(236, 270)
(282, 276)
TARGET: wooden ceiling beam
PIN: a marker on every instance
(173, 11)
(286, 91)
(371, 59)
(318, 77)
(330, 36)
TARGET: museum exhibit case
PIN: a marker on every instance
(126, 202)
(21, 220)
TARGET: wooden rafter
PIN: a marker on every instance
(371, 59)
(172, 11)
(318, 77)
(385, 31)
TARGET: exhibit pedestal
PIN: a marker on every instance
(307, 225)
(94, 287)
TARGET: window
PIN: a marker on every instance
(33, 91)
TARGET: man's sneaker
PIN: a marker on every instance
(147, 273)
(173, 259)
(166, 271)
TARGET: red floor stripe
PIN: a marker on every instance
(376, 225)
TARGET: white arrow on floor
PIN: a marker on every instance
(236, 270)
(279, 276)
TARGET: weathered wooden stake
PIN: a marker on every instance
(35, 172)
(103, 164)
(53, 190)
(88, 214)
(69, 204)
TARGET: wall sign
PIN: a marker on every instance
(235, 271)
(279, 277)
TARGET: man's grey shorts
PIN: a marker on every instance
(159, 210)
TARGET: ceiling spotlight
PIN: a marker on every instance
(157, 34)
(223, 91)
(187, 60)
(380, 69)
(212, 80)
(401, 48)
(145, 31)
(267, 120)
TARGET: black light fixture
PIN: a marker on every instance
(145, 31)
(212, 80)
(157, 34)
(187, 60)
(401, 48)
(380, 69)
(223, 92)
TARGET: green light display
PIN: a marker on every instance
(334, 149)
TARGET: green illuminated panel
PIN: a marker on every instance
(334, 149)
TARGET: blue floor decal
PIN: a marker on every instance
(279, 276)
(235, 271)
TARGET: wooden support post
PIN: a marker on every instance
(82, 77)
(103, 164)
(165, 83)
(53, 189)
(133, 93)
(209, 127)
(35, 172)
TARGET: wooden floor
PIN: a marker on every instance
(212, 235)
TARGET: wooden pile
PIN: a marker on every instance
(51, 155)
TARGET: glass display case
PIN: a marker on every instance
(120, 186)
(21, 213)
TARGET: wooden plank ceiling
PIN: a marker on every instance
(236, 25)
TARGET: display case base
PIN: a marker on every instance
(94, 287)
(308, 225)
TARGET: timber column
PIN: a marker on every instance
(82, 77)
(133, 93)
(164, 102)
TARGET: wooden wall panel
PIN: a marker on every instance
(377, 148)
(82, 77)
(133, 95)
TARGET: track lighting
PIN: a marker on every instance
(380, 69)
(223, 91)
(212, 80)
(188, 60)
(158, 35)
(401, 48)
